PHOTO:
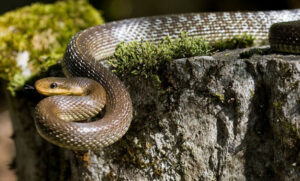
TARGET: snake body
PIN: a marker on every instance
(86, 49)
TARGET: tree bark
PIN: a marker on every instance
(221, 118)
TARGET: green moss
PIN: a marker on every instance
(147, 59)
(241, 41)
(290, 133)
(286, 128)
(278, 105)
(42, 30)
(255, 51)
(220, 96)
(251, 93)
(295, 85)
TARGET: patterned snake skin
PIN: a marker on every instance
(87, 47)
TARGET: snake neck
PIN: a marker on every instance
(74, 108)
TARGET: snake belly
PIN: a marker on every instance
(87, 48)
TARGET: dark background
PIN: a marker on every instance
(121, 9)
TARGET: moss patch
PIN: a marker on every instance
(149, 58)
(241, 41)
(33, 38)
(221, 97)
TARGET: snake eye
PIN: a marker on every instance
(53, 85)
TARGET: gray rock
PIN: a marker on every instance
(221, 118)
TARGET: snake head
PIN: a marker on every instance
(57, 86)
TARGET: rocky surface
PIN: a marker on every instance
(221, 117)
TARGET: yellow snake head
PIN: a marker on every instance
(57, 86)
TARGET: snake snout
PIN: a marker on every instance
(57, 86)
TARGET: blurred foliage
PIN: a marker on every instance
(42, 30)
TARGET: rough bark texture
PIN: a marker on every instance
(222, 118)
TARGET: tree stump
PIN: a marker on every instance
(222, 117)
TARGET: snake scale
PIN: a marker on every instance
(54, 115)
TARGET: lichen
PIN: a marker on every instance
(43, 31)
(290, 133)
(285, 128)
(138, 152)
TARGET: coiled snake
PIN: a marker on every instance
(79, 98)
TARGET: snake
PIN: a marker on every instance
(91, 87)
